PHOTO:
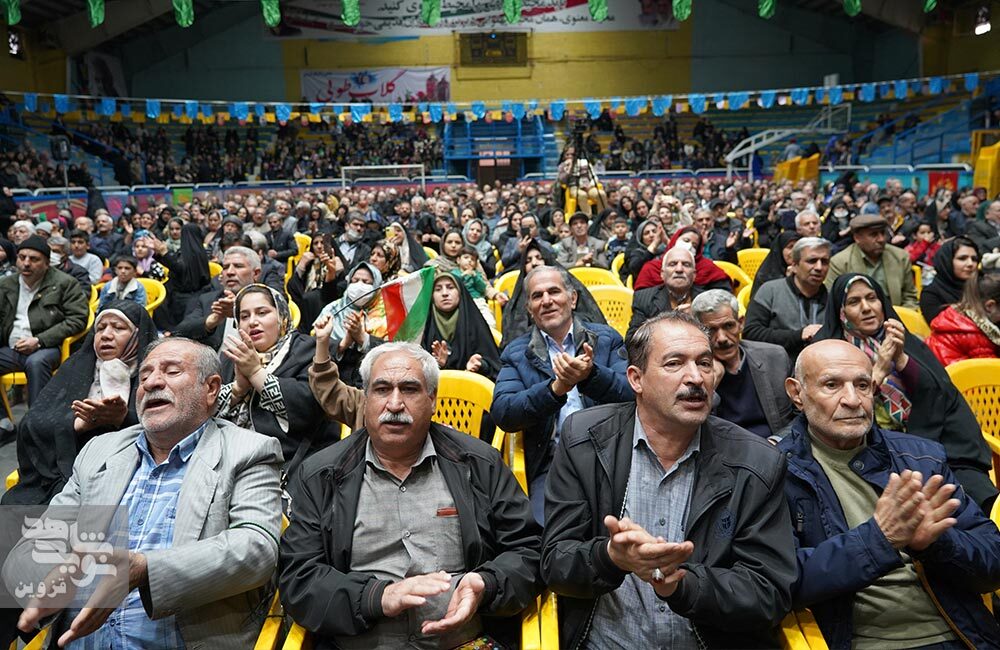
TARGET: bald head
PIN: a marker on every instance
(833, 388)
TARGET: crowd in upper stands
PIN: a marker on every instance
(755, 438)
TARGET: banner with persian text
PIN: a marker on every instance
(377, 85)
(398, 19)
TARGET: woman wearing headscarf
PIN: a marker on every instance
(93, 393)
(516, 321)
(142, 249)
(313, 282)
(451, 247)
(456, 333)
(914, 394)
(476, 234)
(265, 366)
(836, 226)
(411, 254)
(188, 275)
(707, 275)
(970, 329)
(359, 321)
(775, 265)
(954, 263)
(173, 234)
(649, 241)
(385, 258)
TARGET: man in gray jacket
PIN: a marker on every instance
(750, 376)
(580, 249)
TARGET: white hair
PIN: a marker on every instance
(428, 363)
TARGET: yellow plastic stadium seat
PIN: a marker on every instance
(617, 264)
(303, 241)
(736, 274)
(506, 282)
(913, 321)
(918, 276)
(979, 382)
(616, 305)
(12, 479)
(799, 631)
(156, 293)
(751, 259)
(743, 297)
(20, 379)
(549, 621)
(214, 268)
(756, 235)
(431, 253)
(592, 276)
(39, 640)
(497, 336)
(295, 313)
(499, 268)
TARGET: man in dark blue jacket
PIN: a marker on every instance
(560, 366)
(886, 558)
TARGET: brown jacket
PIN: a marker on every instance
(340, 402)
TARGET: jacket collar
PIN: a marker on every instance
(875, 459)
(537, 346)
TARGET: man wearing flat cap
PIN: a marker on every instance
(39, 307)
(870, 254)
(580, 249)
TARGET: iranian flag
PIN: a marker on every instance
(407, 303)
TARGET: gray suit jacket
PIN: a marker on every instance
(769, 366)
(225, 543)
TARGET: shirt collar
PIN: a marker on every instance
(567, 343)
(639, 435)
(428, 451)
(182, 450)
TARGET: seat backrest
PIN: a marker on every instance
(750, 260)
(156, 293)
(617, 264)
(462, 398)
(736, 274)
(214, 268)
(295, 313)
(431, 253)
(914, 321)
(595, 277)
(616, 305)
(743, 297)
(303, 241)
(979, 382)
(506, 282)
(918, 278)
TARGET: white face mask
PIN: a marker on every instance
(840, 214)
(356, 291)
(55, 259)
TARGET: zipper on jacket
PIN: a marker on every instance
(918, 567)
(800, 519)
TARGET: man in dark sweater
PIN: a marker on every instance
(789, 311)
(750, 376)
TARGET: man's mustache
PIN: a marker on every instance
(693, 392)
(395, 418)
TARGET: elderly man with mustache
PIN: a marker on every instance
(665, 526)
(203, 500)
(408, 533)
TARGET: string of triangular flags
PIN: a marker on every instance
(430, 10)
(163, 110)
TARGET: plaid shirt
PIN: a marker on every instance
(151, 498)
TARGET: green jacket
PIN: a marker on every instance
(58, 310)
(901, 289)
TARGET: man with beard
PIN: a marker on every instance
(665, 526)
(207, 539)
(350, 246)
(750, 376)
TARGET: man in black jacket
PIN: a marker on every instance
(676, 292)
(211, 316)
(664, 526)
(407, 533)
(281, 244)
(986, 232)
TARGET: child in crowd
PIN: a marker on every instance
(124, 285)
(470, 274)
(922, 250)
(620, 239)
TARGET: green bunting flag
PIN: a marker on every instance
(765, 8)
(512, 11)
(682, 9)
(929, 6)
(430, 12)
(598, 9)
(184, 12)
(272, 12)
(13, 11)
(352, 13)
(852, 7)
(96, 9)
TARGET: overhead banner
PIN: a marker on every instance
(378, 85)
(393, 19)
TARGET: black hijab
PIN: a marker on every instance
(192, 274)
(773, 267)
(938, 411)
(516, 320)
(471, 333)
(945, 283)
(47, 444)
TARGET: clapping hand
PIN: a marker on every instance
(239, 349)
(633, 549)
(570, 370)
(463, 605)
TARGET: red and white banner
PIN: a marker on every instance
(378, 85)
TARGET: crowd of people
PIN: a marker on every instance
(688, 481)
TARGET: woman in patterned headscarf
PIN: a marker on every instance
(265, 374)
(914, 393)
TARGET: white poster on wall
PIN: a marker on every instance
(399, 19)
(377, 85)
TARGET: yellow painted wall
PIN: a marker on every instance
(42, 71)
(560, 65)
(944, 52)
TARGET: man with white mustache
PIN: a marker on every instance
(407, 533)
(204, 503)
